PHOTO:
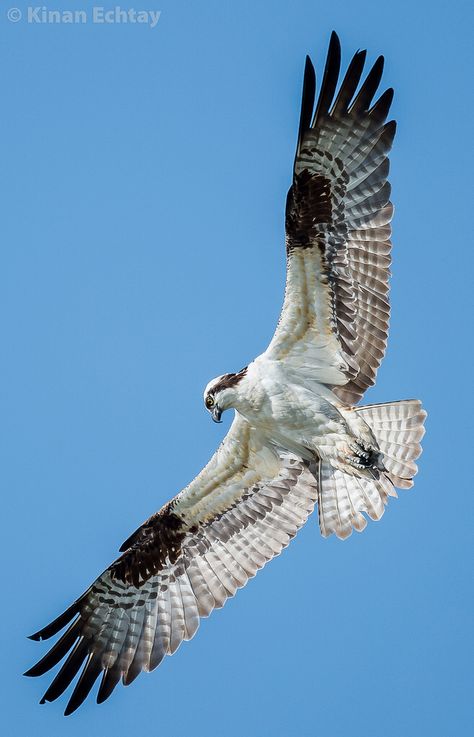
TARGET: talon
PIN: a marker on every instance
(354, 461)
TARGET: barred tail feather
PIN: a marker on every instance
(344, 498)
(398, 429)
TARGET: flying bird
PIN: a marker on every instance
(298, 438)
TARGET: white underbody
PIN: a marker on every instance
(299, 415)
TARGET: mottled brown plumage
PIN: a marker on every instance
(150, 549)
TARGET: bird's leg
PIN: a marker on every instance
(365, 456)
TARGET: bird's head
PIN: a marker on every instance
(222, 393)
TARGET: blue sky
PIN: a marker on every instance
(144, 174)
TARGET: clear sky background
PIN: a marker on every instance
(143, 181)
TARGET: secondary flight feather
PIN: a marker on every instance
(297, 438)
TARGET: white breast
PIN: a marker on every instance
(289, 413)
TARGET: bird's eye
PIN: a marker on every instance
(209, 401)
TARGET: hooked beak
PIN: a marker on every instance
(216, 413)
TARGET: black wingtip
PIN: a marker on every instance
(68, 672)
(379, 65)
(330, 79)
(307, 100)
(88, 677)
(57, 624)
(334, 49)
(31, 672)
(58, 651)
(349, 83)
(110, 678)
(381, 107)
(308, 69)
(364, 97)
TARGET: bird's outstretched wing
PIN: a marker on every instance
(334, 322)
(185, 561)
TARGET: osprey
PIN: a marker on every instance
(298, 437)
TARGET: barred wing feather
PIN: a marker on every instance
(185, 561)
(334, 321)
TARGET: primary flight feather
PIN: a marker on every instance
(297, 439)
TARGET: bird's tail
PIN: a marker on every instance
(343, 497)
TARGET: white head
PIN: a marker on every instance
(221, 393)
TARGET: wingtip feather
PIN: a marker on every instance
(330, 79)
(57, 624)
(307, 100)
(334, 40)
